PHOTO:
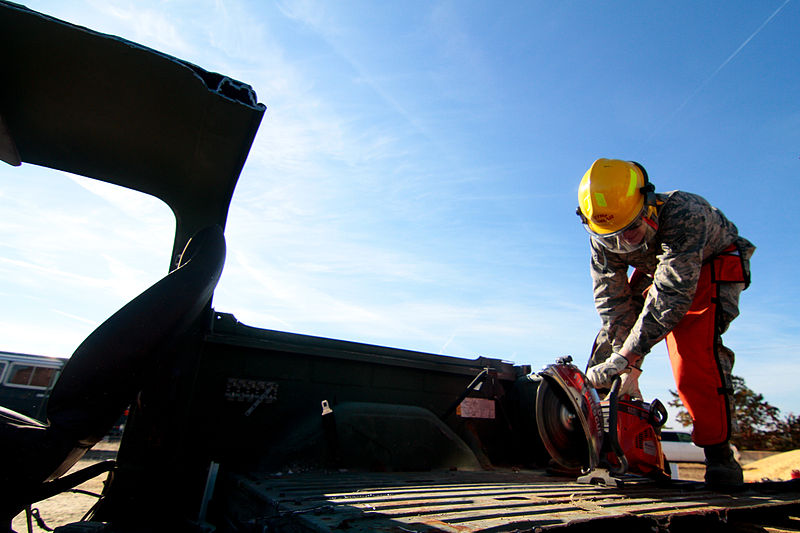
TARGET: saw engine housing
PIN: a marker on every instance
(636, 434)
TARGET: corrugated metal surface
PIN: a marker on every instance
(478, 501)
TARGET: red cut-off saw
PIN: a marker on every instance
(608, 441)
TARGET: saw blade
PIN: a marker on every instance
(560, 428)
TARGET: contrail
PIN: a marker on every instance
(713, 74)
(446, 344)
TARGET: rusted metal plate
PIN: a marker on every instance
(480, 501)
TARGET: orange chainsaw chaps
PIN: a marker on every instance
(692, 348)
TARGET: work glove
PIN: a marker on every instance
(601, 376)
(630, 384)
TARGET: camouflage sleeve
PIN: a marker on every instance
(690, 231)
(683, 240)
(612, 294)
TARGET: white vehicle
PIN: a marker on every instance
(678, 447)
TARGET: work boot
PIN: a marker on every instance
(722, 470)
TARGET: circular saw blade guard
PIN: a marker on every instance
(569, 417)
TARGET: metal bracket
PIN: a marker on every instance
(601, 476)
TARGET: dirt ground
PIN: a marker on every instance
(777, 467)
(71, 507)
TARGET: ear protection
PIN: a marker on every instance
(649, 192)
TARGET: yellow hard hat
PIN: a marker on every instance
(611, 195)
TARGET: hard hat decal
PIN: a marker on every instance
(632, 183)
(600, 199)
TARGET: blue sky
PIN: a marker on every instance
(414, 180)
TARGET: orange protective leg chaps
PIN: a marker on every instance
(692, 347)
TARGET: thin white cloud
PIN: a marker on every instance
(319, 19)
(144, 25)
(77, 318)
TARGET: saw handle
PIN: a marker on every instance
(658, 414)
(613, 436)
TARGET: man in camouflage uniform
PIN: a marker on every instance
(690, 268)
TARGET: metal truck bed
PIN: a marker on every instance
(495, 501)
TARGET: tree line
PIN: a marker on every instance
(756, 424)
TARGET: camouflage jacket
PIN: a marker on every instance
(690, 231)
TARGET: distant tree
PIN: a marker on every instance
(756, 421)
(682, 417)
(789, 433)
(756, 424)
